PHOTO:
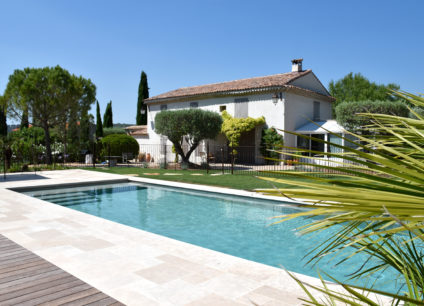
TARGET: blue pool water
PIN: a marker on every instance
(234, 225)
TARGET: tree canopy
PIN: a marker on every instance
(346, 112)
(189, 125)
(356, 87)
(143, 93)
(51, 96)
(108, 116)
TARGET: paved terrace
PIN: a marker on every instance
(133, 266)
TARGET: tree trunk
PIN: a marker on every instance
(185, 157)
(48, 144)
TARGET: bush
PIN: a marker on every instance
(110, 131)
(271, 140)
(118, 144)
(346, 112)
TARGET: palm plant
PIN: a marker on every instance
(375, 201)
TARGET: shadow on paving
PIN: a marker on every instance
(21, 177)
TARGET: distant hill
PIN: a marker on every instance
(11, 127)
(122, 125)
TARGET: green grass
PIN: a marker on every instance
(235, 181)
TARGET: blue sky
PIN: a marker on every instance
(186, 43)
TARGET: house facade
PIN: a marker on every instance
(288, 101)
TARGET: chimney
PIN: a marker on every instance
(297, 65)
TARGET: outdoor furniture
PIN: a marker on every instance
(126, 157)
(113, 160)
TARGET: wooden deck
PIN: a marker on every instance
(28, 279)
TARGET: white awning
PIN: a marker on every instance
(320, 127)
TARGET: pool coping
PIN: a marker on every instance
(255, 282)
(219, 190)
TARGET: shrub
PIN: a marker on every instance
(234, 127)
(346, 112)
(271, 140)
(118, 144)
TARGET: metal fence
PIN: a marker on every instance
(247, 160)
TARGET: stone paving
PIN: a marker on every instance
(133, 266)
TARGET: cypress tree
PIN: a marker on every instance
(24, 120)
(3, 123)
(107, 117)
(143, 93)
(99, 126)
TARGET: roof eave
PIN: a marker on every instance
(295, 89)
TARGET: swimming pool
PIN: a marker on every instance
(233, 225)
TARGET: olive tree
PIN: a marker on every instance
(189, 125)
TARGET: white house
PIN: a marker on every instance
(288, 101)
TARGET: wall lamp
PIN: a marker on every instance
(277, 97)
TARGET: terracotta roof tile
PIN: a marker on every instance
(244, 84)
(137, 130)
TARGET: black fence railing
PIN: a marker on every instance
(249, 160)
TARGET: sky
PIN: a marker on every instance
(188, 43)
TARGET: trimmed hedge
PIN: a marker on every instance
(119, 143)
(347, 112)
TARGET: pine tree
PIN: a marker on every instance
(107, 117)
(143, 93)
(99, 126)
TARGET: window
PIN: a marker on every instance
(336, 139)
(163, 107)
(241, 109)
(194, 104)
(316, 116)
(222, 108)
(317, 145)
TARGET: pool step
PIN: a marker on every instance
(72, 199)
(79, 202)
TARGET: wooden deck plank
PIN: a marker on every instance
(14, 263)
(34, 288)
(86, 300)
(20, 266)
(7, 246)
(57, 294)
(27, 271)
(12, 255)
(45, 295)
(30, 279)
(23, 258)
(71, 297)
(105, 302)
(31, 283)
(40, 270)
(27, 279)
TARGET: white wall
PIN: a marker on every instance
(259, 105)
(299, 111)
(311, 82)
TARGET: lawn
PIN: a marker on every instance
(235, 181)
